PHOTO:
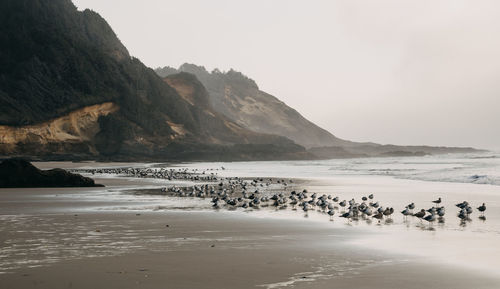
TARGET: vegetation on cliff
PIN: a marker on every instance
(55, 60)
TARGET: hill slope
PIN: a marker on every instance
(68, 87)
(240, 99)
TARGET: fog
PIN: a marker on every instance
(401, 72)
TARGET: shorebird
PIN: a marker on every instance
(348, 215)
(468, 210)
(463, 215)
(305, 208)
(481, 209)
(406, 212)
(367, 211)
(420, 214)
(388, 212)
(430, 218)
(370, 196)
(331, 213)
(379, 216)
(438, 201)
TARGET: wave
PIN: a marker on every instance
(469, 179)
(482, 157)
(465, 168)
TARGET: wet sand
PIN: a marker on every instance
(82, 238)
(218, 250)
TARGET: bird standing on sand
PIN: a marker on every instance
(430, 218)
(406, 212)
(481, 209)
(388, 212)
(438, 201)
(331, 213)
(379, 216)
(463, 215)
(420, 214)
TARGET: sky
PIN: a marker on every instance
(387, 71)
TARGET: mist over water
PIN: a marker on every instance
(476, 168)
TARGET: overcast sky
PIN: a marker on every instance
(401, 72)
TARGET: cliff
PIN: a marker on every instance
(70, 89)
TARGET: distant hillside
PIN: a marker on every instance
(70, 89)
(362, 150)
(240, 99)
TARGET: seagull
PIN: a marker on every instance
(379, 216)
(370, 196)
(388, 212)
(348, 215)
(420, 214)
(463, 215)
(406, 212)
(331, 213)
(367, 211)
(481, 209)
(438, 201)
(430, 218)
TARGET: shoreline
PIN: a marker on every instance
(207, 249)
(251, 249)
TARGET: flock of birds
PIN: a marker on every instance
(228, 196)
(160, 173)
(233, 193)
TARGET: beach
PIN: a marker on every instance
(113, 238)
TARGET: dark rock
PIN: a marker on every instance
(18, 173)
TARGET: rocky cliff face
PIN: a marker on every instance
(240, 99)
(69, 87)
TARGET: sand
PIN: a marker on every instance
(218, 250)
(82, 238)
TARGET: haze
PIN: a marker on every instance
(400, 72)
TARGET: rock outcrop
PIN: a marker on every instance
(18, 173)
